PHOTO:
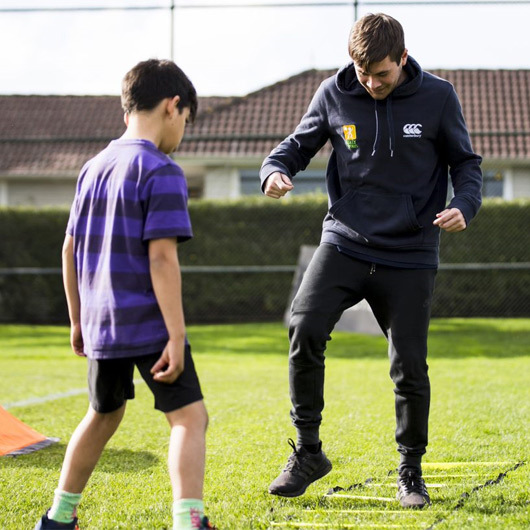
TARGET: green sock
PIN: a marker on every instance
(187, 514)
(64, 507)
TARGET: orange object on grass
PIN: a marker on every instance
(18, 438)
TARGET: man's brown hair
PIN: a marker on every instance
(374, 37)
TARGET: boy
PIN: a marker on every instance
(123, 287)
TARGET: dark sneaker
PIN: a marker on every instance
(49, 524)
(302, 469)
(412, 492)
(206, 525)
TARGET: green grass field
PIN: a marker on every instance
(476, 466)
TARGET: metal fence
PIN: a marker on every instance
(508, 283)
(257, 293)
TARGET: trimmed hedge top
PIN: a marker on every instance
(262, 231)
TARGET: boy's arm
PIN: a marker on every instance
(165, 276)
(72, 295)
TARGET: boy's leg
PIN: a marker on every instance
(186, 458)
(82, 454)
(85, 447)
(109, 385)
(183, 405)
(187, 450)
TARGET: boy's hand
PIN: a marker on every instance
(76, 340)
(451, 220)
(171, 363)
(277, 185)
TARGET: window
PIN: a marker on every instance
(493, 183)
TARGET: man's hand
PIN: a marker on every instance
(76, 340)
(277, 185)
(450, 220)
(171, 363)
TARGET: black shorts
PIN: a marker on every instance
(110, 383)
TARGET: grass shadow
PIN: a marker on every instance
(112, 460)
(448, 338)
(490, 338)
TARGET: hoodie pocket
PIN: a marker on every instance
(377, 220)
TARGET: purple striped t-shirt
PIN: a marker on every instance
(128, 194)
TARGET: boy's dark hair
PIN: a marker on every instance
(373, 37)
(151, 81)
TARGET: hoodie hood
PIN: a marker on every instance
(347, 83)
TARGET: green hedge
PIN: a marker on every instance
(32, 238)
(260, 231)
(499, 233)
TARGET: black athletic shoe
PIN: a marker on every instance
(49, 524)
(412, 492)
(302, 469)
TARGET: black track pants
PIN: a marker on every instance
(401, 302)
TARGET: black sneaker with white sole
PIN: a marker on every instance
(412, 492)
(301, 470)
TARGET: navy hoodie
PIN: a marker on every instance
(387, 175)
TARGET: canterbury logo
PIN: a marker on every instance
(412, 129)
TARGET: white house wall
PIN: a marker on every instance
(39, 193)
(521, 182)
(222, 183)
(4, 198)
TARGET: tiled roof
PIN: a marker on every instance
(252, 125)
(41, 134)
(496, 106)
(53, 135)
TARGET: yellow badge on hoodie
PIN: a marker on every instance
(350, 135)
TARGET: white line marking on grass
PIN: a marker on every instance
(44, 399)
(52, 397)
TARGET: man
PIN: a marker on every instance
(395, 132)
